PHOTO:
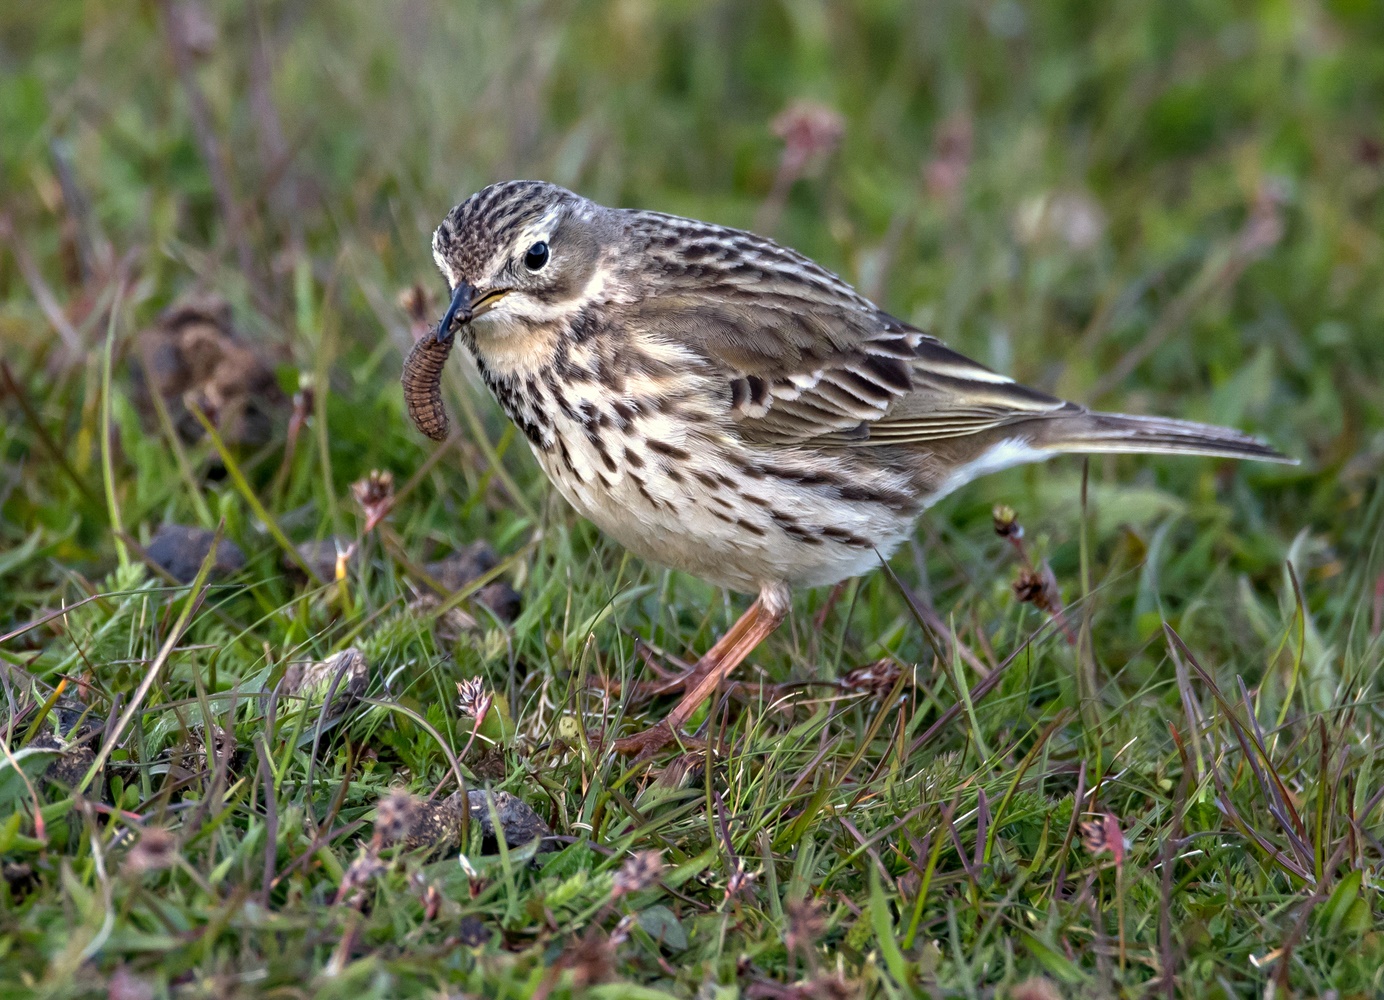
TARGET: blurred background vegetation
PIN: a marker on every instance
(1167, 208)
(1172, 207)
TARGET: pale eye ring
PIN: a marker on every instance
(537, 257)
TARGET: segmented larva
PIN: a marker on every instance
(423, 385)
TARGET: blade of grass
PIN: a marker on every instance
(44, 709)
(107, 467)
(1019, 772)
(175, 444)
(242, 486)
(45, 439)
(194, 600)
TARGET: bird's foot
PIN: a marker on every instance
(643, 745)
(642, 691)
(667, 682)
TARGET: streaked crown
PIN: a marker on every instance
(491, 230)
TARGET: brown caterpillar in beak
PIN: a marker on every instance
(422, 381)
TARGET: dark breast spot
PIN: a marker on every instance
(585, 325)
(555, 390)
(522, 408)
(671, 451)
(566, 457)
(846, 537)
(653, 501)
(606, 458)
(806, 477)
(895, 500)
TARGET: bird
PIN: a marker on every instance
(725, 406)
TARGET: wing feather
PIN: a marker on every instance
(806, 358)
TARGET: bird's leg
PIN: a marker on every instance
(763, 616)
(669, 681)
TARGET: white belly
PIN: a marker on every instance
(698, 509)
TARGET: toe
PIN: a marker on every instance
(645, 744)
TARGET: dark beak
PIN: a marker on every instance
(459, 312)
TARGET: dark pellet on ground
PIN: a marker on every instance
(179, 550)
(460, 568)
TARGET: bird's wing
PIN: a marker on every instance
(896, 386)
(804, 357)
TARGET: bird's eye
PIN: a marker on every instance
(537, 256)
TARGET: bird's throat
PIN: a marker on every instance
(513, 348)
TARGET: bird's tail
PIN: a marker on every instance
(1121, 433)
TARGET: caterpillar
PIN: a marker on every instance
(422, 381)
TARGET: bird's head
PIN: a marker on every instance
(520, 257)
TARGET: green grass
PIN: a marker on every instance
(1170, 208)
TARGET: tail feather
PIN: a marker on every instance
(1121, 433)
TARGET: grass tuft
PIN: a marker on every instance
(1103, 729)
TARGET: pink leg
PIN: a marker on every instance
(764, 615)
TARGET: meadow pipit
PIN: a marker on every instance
(721, 404)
